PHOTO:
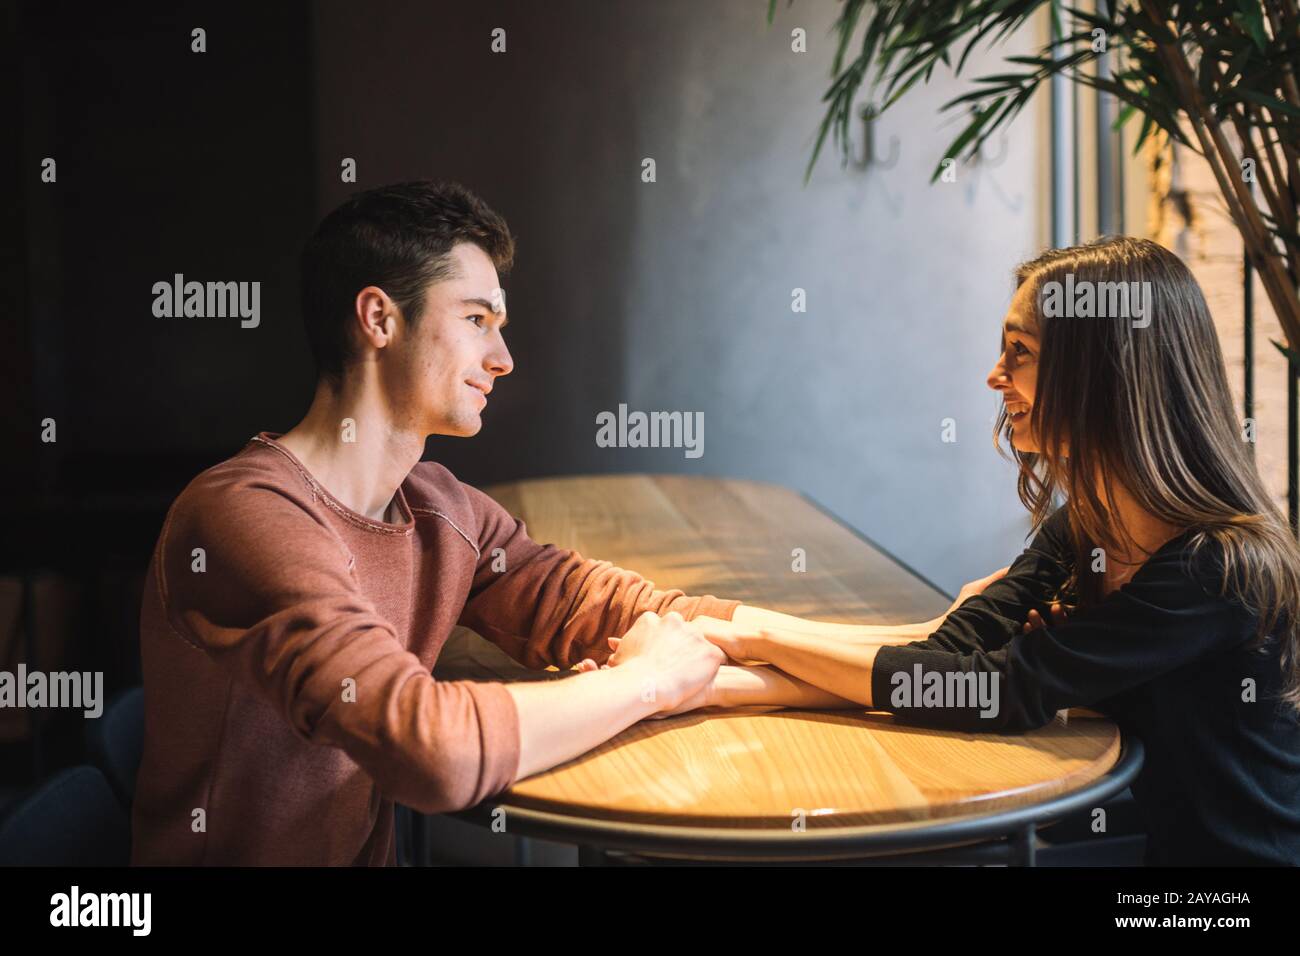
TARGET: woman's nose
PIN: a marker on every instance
(998, 378)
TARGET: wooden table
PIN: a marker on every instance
(764, 783)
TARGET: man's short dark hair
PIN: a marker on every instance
(398, 238)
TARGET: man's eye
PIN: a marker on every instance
(477, 319)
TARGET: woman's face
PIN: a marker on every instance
(1015, 375)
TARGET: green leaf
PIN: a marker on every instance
(1148, 127)
(903, 41)
(1272, 102)
(1250, 17)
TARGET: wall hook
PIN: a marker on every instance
(980, 159)
(868, 157)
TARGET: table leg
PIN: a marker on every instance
(1024, 843)
(523, 851)
(591, 856)
(419, 839)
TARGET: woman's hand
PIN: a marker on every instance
(976, 587)
(734, 639)
(587, 664)
(1058, 613)
(967, 591)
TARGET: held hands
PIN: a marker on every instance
(678, 664)
(734, 640)
(680, 661)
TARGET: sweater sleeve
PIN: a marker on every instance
(987, 621)
(547, 606)
(1166, 616)
(271, 599)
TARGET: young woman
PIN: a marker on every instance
(1184, 580)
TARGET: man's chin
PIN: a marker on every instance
(466, 427)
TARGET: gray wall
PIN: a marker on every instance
(676, 295)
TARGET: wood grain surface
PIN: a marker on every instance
(766, 767)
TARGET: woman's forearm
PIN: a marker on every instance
(757, 618)
(838, 668)
(738, 686)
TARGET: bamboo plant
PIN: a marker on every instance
(1192, 70)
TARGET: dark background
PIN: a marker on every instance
(167, 162)
(670, 296)
(211, 165)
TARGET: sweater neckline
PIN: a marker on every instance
(1177, 545)
(271, 440)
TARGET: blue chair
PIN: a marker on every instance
(115, 742)
(73, 819)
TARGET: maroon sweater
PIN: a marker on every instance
(287, 643)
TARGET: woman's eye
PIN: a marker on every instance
(1020, 349)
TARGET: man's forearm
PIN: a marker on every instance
(562, 719)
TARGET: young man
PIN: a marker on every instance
(301, 591)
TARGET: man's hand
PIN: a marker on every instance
(678, 663)
(704, 697)
(728, 635)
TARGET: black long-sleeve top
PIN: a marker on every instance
(1166, 657)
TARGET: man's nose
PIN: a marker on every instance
(499, 361)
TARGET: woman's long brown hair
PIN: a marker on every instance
(1149, 408)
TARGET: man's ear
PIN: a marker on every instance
(376, 320)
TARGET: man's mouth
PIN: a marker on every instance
(481, 389)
